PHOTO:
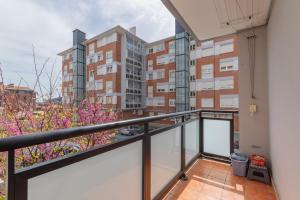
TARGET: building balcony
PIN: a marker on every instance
(162, 163)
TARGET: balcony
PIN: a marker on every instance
(166, 162)
(211, 180)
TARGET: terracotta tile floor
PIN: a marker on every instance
(211, 180)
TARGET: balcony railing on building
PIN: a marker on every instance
(143, 166)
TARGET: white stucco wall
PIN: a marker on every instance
(254, 129)
(283, 42)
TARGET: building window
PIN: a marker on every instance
(109, 69)
(160, 101)
(207, 51)
(91, 48)
(160, 74)
(192, 47)
(207, 71)
(150, 50)
(162, 87)
(150, 65)
(109, 100)
(150, 91)
(109, 57)
(193, 108)
(99, 84)
(160, 47)
(171, 102)
(109, 86)
(207, 102)
(91, 75)
(91, 60)
(172, 76)
(192, 78)
(192, 93)
(226, 47)
(229, 64)
(192, 62)
(222, 83)
(162, 60)
(172, 47)
(150, 75)
(100, 56)
(171, 87)
(229, 101)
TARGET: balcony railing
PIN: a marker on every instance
(144, 166)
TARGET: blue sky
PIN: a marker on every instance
(48, 26)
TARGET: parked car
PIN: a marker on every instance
(130, 131)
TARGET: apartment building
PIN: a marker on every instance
(213, 75)
(160, 76)
(114, 72)
(135, 78)
(16, 98)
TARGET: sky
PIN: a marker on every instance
(46, 27)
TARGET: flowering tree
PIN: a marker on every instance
(51, 116)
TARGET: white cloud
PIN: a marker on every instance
(48, 26)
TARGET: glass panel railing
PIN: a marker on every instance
(165, 158)
(192, 134)
(116, 174)
(216, 137)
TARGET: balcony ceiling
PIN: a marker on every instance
(211, 18)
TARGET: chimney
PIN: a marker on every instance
(132, 30)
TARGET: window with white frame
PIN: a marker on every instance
(162, 87)
(150, 91)
(222, 83)
(207, 71)
(171, 76)
(109, 57)
(192, 93)
(172, 47)
(205, 84)
(109, 69)
(209, 51)
(100, 56)
(150, 50)
(192, 47)
(150, 75)
(109, 86)
(172, 87)
(192, 78)
(171, 58)
(160, 74)
(229, 64)
(91, 48)
(99, 84)
(101, 70)
(162, 60)
(160, 47)
(192, 62)
(100, 99)
(109, 99)
(160, 101)
(172, 102)
(229, 101)
(92, 75)
(150, 65)
(226, 46)
(207, 102)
